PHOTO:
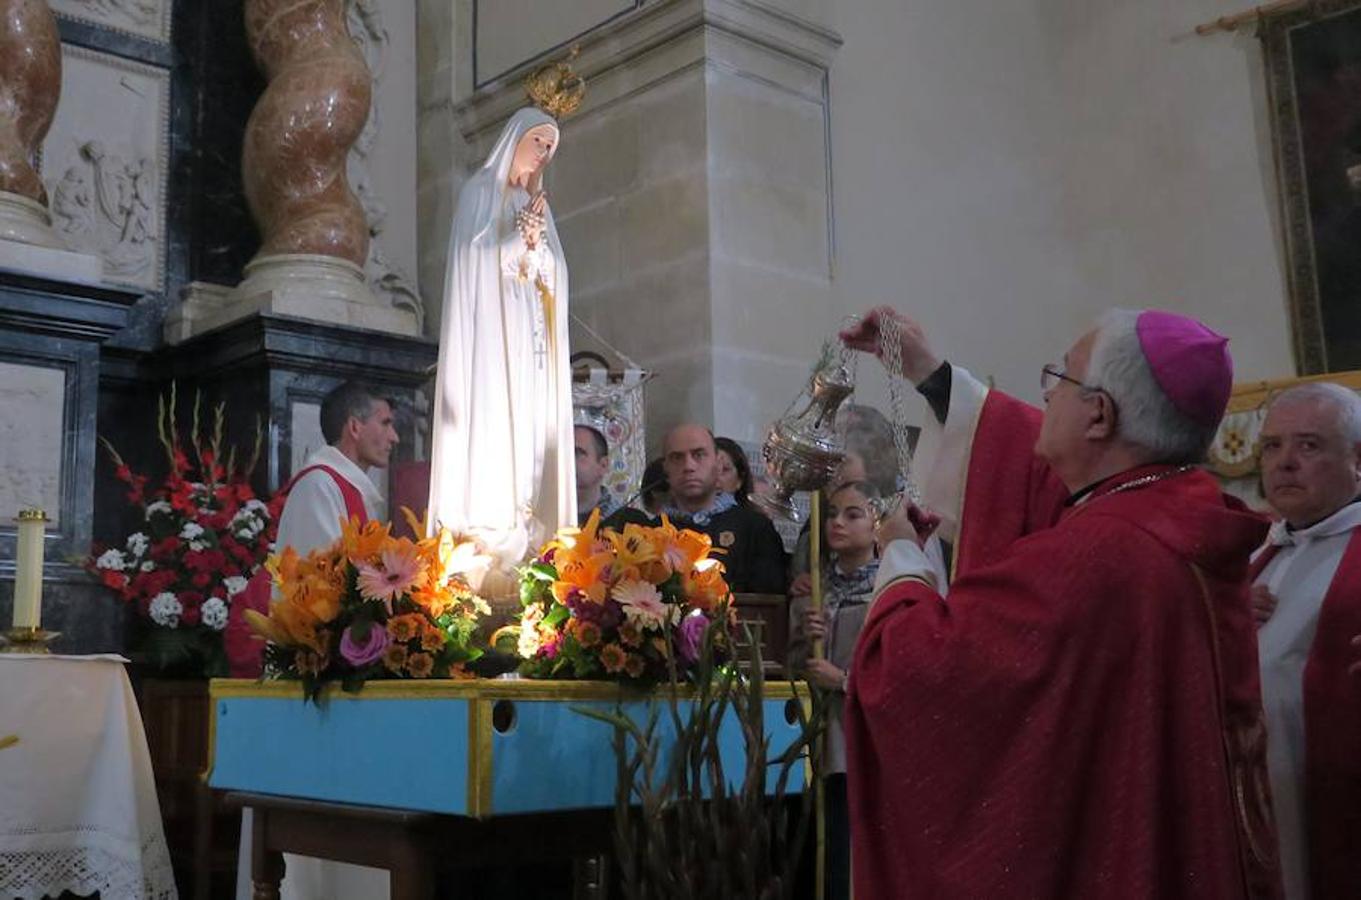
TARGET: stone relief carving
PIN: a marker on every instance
(105, 163)
(149, 18)
(387, 280)
(107, 204)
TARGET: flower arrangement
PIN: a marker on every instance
(629, 605)
(201, 534)
(372, 606)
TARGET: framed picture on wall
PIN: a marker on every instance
(1313, 60)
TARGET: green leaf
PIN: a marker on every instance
(556, 616)
(542, 571)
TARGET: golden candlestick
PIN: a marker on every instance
(27, 640)
(27, 634)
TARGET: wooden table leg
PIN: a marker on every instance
(411, 876)
(203, 841)
(266, 865)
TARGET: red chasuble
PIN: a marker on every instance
(1082, 717)
(1332, 734)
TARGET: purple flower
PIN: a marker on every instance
(361, 654)
(689, 637)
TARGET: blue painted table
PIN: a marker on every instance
(473, 748)
(409, 773)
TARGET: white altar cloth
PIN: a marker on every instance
(78, 808)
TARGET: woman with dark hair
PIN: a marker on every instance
(734, 471)
(654, 493)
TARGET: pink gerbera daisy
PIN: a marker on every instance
(642, 604)
(398, 574)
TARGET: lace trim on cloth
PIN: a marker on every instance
(83, 864)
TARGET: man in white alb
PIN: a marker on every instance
(1307, 598)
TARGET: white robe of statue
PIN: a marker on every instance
(502, 463)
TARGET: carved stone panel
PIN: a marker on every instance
(104, 163)
(32, 404)
(144, 18)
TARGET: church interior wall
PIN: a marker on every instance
(1007, 171)
(994, 169)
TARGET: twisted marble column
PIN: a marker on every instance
(30, 84)
(302, 128)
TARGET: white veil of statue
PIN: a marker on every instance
(502, 463)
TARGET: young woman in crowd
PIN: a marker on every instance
(734, 471)
(847, 586)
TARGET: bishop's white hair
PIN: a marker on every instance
(1145, 417)
(1345, 401)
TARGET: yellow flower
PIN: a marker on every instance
(630, 634)
(420, 665)
(435, 599)
(634, 665)
(394, 657)
(613, 658)
(404, 628)
(704, 586)
(588, 574)
(363, 543)
(681, 548)
(586, 633)
(432, 640)
(632, 550)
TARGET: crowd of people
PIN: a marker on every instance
(1124, 683)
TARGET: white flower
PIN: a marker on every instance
(191, 530)
(234, 585)
(165, 609)
(160, 506)
(138, 543)
(643, 605)
(198, 545)
(214, 613)
(257, 508)
(112, 560)
(530, 639)
(148, 566)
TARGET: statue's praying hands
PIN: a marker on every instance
(530, 220)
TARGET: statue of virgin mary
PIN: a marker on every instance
(502, 466)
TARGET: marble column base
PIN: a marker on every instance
(26, 221)
(29, 246)
(320, 288)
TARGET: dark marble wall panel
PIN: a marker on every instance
(61, 327)
(216, 86)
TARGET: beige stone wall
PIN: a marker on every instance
(1005, 171)
(1008, 170)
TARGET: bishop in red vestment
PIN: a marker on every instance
(1082, 717)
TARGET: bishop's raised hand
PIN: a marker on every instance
(868, 334)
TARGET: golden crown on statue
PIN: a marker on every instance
(555, 88)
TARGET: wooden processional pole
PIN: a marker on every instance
(815, 603)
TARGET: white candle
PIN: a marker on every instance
(28, 569)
